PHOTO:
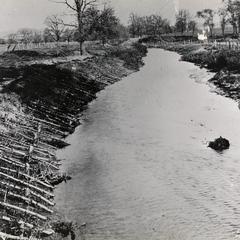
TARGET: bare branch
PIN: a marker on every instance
(68, 24)
(65, 2)
(70, 6)
(88, 3)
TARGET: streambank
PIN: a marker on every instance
(224, 62)
(41, 104)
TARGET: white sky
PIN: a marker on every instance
(15, 14)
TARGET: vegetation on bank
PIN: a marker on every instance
(215, 59)
(208, 56)
(225, 62)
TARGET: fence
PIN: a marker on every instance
(230, 45)
(32, 46)
(220, 45)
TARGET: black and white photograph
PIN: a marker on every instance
(120, 120)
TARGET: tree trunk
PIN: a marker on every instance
(80, 30)
(234, 29)
(238, 26)
(193, 32)
(223, 31)
(211, 32)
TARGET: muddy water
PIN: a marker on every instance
(140, 165)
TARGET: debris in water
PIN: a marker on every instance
(65, 229)
(219, 144)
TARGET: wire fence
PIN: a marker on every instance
(219, 45)
(33, 46)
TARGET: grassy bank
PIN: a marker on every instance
(42, 95)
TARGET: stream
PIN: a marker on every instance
(140, 163)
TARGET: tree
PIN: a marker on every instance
(106, 24)
(222, 12)
(2, 41)
(231, 9)
(158, 21)
(91, 23)
(55, 27)
(161, 25)
(192, 26)
(12, 38)
(208, 16)
(80, 7)
(37, 37)
(148, 25)
(136, 25)
(47, 36)
(26, 35)
(237, 9)
(182, 18)
(123, 32)
(68, 34)
(166, 28)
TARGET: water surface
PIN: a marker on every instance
(140, 164)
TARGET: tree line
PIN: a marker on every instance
(148, 25)
(91, 22)
(228, 14)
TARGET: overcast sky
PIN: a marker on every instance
(15, 14)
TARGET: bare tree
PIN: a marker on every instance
(55, 27)
(79, 7)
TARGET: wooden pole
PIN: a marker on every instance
(12, 237)
(27, 184)
(24, 211)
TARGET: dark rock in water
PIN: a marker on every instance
(219, 144)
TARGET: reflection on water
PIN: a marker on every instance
(140, 165)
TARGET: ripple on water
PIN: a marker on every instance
(140, 164)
